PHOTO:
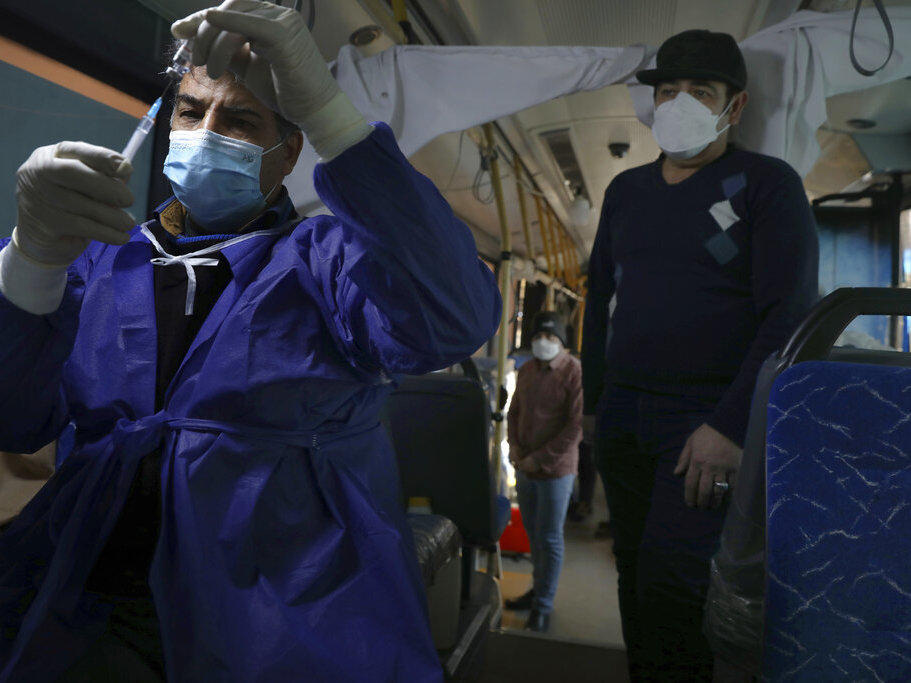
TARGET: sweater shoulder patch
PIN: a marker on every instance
(734, 184)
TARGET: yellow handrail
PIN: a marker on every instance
(544, 241)
(554, 272)
(558, 264)
(579, 276)
(574, 260)
(581, 322)
(380, 12)
(399, 11)
(520, 191)
(564, 248)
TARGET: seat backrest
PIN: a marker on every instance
(439, 428)
(735, 605)
(838, 603)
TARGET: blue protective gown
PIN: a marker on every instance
(284, 554)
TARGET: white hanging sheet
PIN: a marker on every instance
(423, 92)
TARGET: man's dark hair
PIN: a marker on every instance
(284, 126)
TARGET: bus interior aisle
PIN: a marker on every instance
(585, 640)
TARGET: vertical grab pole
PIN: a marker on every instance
(544, 241)
(554, 272)
(573, 261)
(564, 249)
(505, 294)
(551, 230)
(581, 305)
(576, 267)
(561, 249)
(567, 271)
(399, 11)
(520, 191)
(551, 304)
(548, 250)
(380, 13)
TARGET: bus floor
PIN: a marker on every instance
(585, 640)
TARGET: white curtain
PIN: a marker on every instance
(423, 92)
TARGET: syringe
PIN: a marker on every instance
(180, 66)
(142, 130)
(181, 61)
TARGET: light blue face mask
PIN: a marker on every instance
(216, 177)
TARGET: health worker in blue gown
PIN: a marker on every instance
(231, 509)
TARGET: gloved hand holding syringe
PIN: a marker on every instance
(68, 195)
(180, 65)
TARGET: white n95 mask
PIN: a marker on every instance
(215, 177)
(684, 126)
(544, 349)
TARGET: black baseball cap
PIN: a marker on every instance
(547, 321)
(698, 54)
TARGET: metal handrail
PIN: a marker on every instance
(817, 334)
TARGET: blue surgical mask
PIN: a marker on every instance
(216, 177)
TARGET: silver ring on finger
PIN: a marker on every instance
(722, 486)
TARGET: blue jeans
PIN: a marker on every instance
(662, 547)
(543, 503)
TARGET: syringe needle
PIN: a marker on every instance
(180, 65)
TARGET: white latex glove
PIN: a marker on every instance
(269, 49)
(68, 195)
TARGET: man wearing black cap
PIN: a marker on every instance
(712, 256)
(545, 428)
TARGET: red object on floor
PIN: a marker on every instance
(514, 538)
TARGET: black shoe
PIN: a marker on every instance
(522, 602)
(537, 622)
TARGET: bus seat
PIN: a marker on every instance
(440, 425)
(744, 605)
(437, 543)
(839, 523)
(439, 429)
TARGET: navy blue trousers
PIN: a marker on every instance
(662, 547)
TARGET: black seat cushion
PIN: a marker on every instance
(436, 540)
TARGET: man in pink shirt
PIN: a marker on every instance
(545, 428)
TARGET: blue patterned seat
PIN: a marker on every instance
(839, 524)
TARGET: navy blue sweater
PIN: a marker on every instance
(711, 275)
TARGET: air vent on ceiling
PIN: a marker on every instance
(561, 147)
